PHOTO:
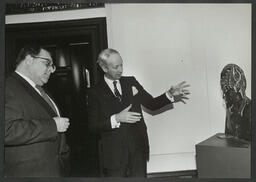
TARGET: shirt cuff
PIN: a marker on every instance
(114, 123)
(169, 96)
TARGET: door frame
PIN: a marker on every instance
(96, 28)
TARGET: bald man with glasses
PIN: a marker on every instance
(34, 142)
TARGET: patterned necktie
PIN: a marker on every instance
(117, 93)
(46, 97)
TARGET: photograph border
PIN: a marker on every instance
(72, 179)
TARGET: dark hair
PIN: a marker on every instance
(29, 49)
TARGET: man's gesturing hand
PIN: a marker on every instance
(128, 117)
(179, 92)
(62, 123)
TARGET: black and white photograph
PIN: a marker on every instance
(128, 90)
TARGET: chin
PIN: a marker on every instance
(40, 84)
(44, 81)
(118, 77)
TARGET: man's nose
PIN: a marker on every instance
(52, 68)
(120, 69)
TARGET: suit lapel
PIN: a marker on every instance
(125, 88)
(110, 98)
(107, 94)
(106, 91)
(52, 98)
(34, 94)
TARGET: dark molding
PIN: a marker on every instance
(54, 25)
(36, 7)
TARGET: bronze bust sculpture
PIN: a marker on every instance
(238, 105)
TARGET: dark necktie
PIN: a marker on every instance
(46, 97)
(117, 93)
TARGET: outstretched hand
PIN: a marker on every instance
(179, 92)
(125, 116)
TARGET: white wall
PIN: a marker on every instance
(163, 44)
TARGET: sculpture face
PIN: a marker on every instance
(233, 85)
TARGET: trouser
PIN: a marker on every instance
(133, 165)
(130, 153)
(133, 161)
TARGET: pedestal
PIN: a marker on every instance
(223, 158)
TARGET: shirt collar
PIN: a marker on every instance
(27, 79)
(110, 82)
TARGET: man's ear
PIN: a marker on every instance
(29, 59)
(104, 68)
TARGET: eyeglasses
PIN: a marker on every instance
(47, 62)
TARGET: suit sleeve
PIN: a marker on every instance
(147, 100)
(21, 129)
(97, 120)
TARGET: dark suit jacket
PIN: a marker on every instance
(102, 104)
(33, 147)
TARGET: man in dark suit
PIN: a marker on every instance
(34, 130)
(114, 111)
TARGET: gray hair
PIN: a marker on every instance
(104, 55)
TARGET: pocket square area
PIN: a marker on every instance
(134, 90)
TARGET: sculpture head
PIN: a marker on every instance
(238, 105)
(233, 85)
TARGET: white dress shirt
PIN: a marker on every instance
(111, 85)
(34, 86)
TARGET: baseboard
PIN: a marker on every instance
(174, 174)
(171, 162)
